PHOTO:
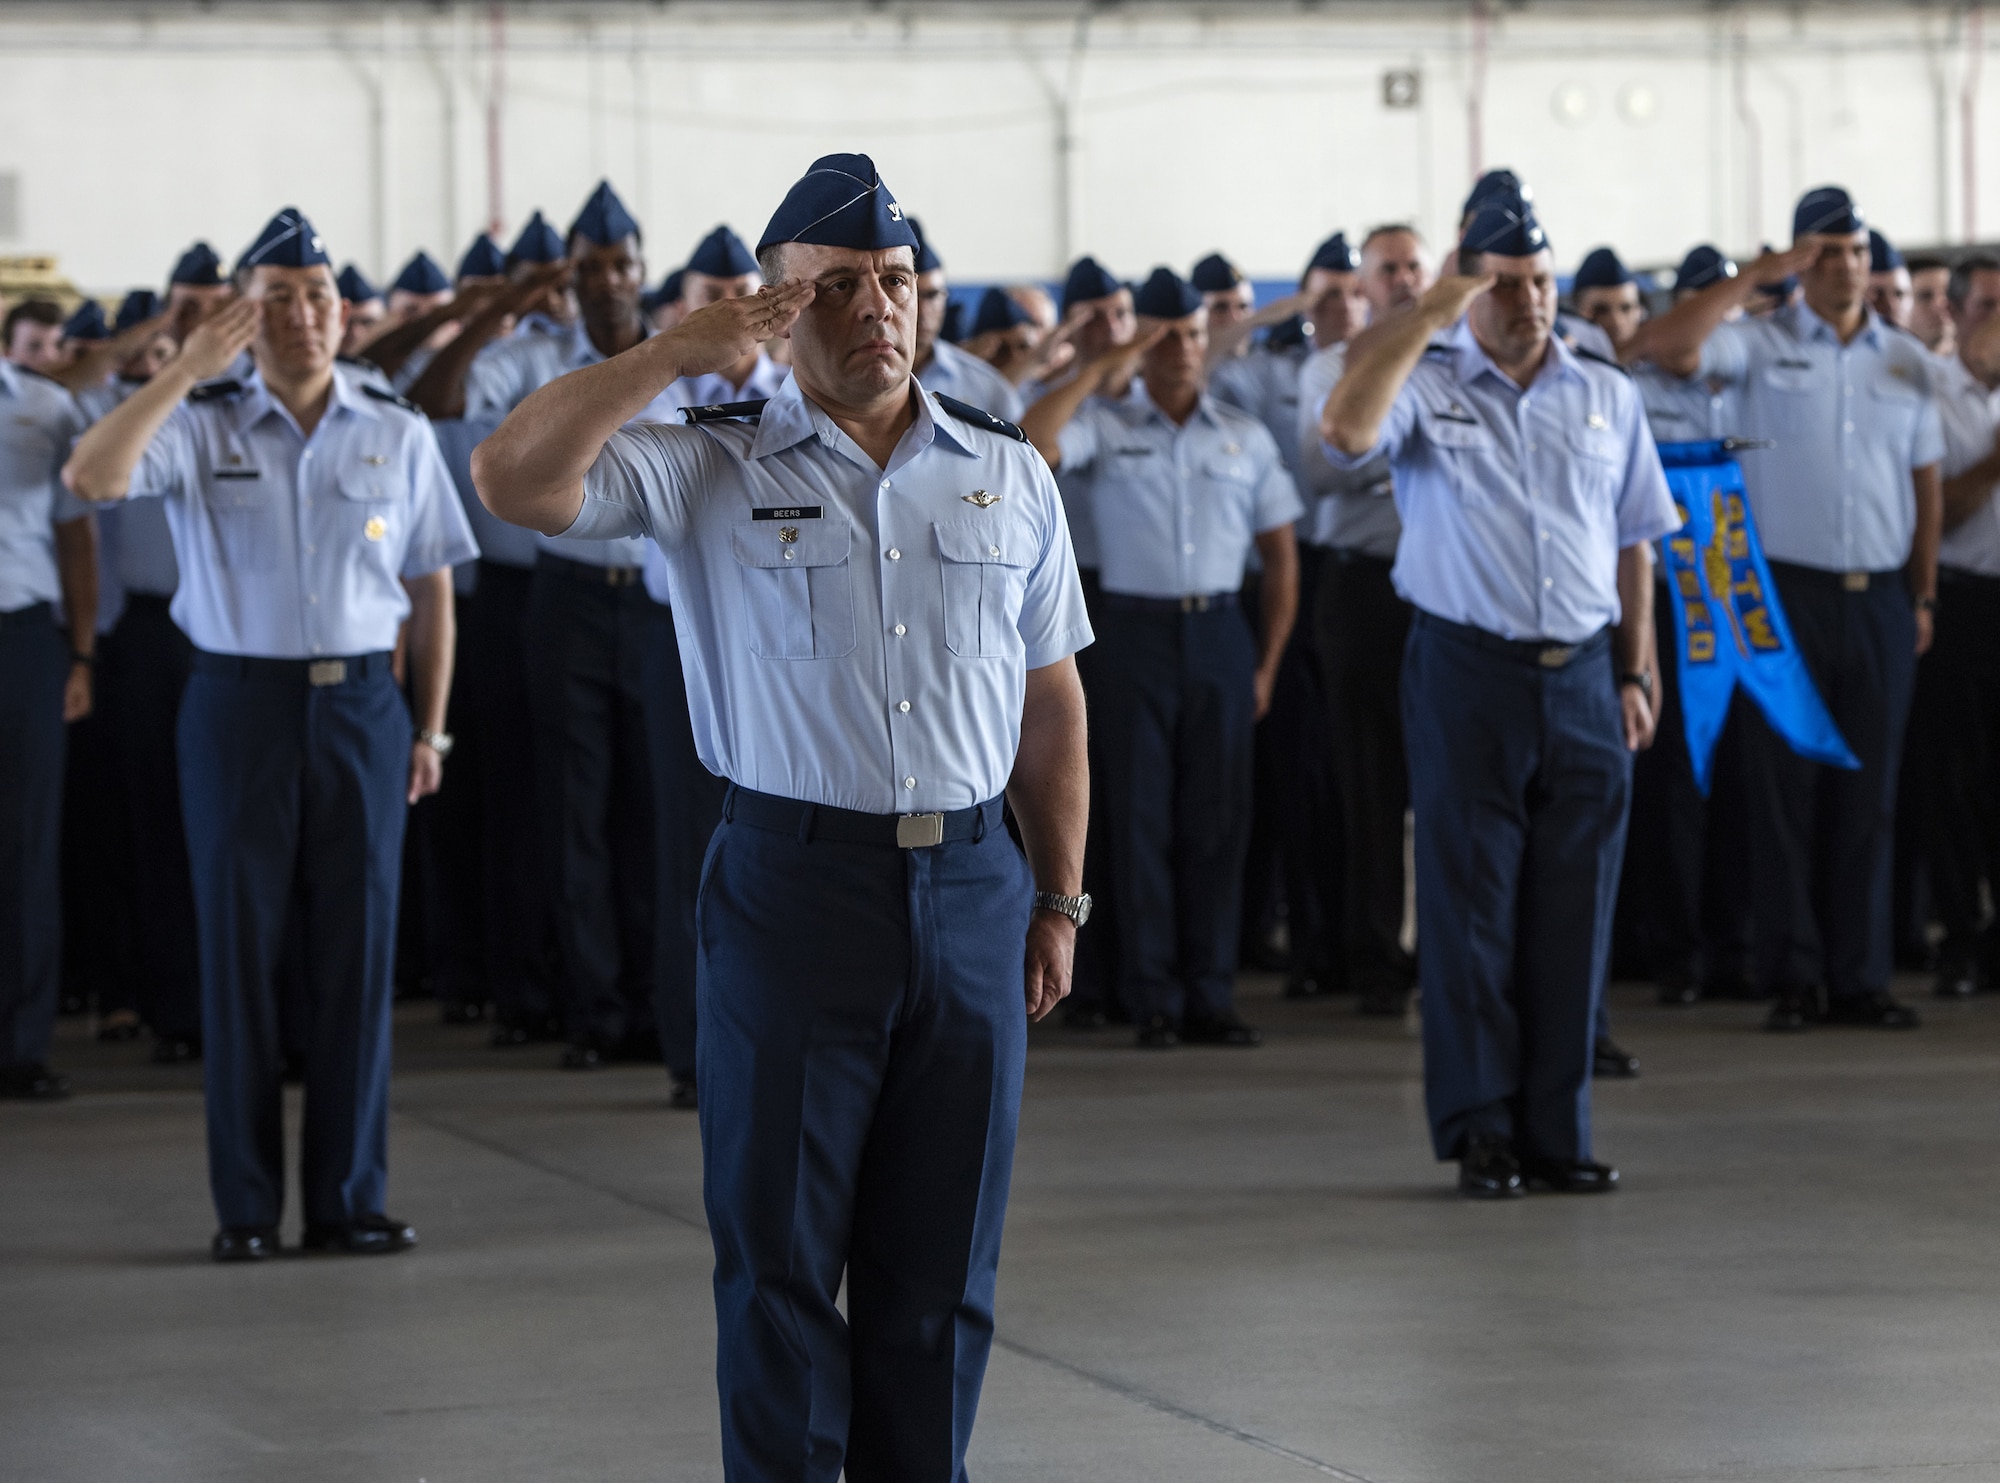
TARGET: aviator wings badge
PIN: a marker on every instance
(981, 498)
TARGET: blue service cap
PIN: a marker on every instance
(1882, 254)
(87, 323)
(287, 241)
(1286, 333)
(198, 267)
(1087, 280)
(139, 306)
(355, 287)
(1166, 295)
(1497, 188)
(927, 259)
(998, 311)
(721, 254)
(841, 201)
(1215, 274)
(483, 259)
(1826, 208)
(421, 275)
(670, 286)
(604, 219)
(1506, 231)
(538, 243)
(1702, 266)
(1602, 268)
(1335, 255)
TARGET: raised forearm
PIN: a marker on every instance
(1050, 788)
(1377, 366)
(440, 392)
(1632, 639)
(1051, 413)
(1673, 341)
(100, 466)
(430, 637)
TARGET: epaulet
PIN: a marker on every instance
(1602, 360)
(215, 391)
(1438, 348)
(966, 412)
(394, 399)
(726, 411)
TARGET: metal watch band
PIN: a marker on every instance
(1076, 908)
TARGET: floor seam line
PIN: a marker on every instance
(1181, 1413)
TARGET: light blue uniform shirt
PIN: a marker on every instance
(293, 547)
(964, 376)
(38, 422)
(1265, 383)
(1515, 503)
(135, 548)
(1685, 409)
(1353, 509)
(1847, 422)
(1970, 414)
(877, 658)
(1178, 507)
(508, 372)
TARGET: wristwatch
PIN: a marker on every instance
(1076, 908)
(440, 742)
(1643, 678)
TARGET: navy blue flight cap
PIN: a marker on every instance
(198, 267)
(538, 243)
(1827, 208)
(998, 311)
(1166, 295)
(483, 259)
(1702, 266)
(87, 323)
(1506, 231)
(841, 201)
(355, 287)
(1497, 188)
(1602, 268)
(1215, 274)
(927, 260)
(139, 306)
(287, 241)
(721, 254)
(604, 219)
(421, 275)
(1882, 254)
(1087, 280)
(1335, 256)
(670, 286)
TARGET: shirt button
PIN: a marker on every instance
(788, 556)
(909, 782)
(992, 550)
(1545, 535)
(1847, 427)
(885, 484)
(1188, 548)
(312, 597)
(1548, 581)
(903, 705)
(894, 554)
(900, 630)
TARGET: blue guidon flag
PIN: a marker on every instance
(1729, 628)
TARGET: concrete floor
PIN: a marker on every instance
(1221, 1267)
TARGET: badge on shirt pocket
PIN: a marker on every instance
(798, 587)
(985, 579)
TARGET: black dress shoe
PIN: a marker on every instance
(367, 1235)
(1226, 1028)
(684, 1097)
(174, 1050)
(1678, 987)
(1872, 1012)
(244, 1243)
(1570, 1176)
(1488, 1170)
(1084, 1015)
(1794, 1009)
(1609, 1058)
(33, 1083)
(1958, 978)
(1157, 1032)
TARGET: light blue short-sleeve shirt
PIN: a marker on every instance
(1846, 423)
(1515, 503)
(1353, 509)
(1970, 413)
(38, 422)
(294, 547)
(850, 635)
(964, 376)
(1684, 409)
(1265, 383)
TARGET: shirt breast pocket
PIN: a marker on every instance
(985, 566)
(1896, 405)
(798, 594)
(1463, 447)
(1792, 380)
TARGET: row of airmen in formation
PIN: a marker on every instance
(1258, 731)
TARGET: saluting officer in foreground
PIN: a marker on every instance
(311, 515)
(877, 607)
(1528, 487)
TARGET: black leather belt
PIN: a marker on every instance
(590, 573)
(1347, 556)
(811, 821)
(34, 613)
(318, 673)
(1199, 602)
(1839, 581)
(1539, 652)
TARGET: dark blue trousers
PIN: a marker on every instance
(1823, 838)
(1175, 708)
(1520, 783)
(145, 665)
(687, 805)
(291, 788)
(34, 666)
(861, 1047)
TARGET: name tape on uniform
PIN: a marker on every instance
(789, 512)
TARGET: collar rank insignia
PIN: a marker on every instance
(982, 499)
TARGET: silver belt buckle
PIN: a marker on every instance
(1196, 603)
(326, 672)
(919, 831)
(1854, 581)
(1556, 656)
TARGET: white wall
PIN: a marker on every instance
(1021, 136)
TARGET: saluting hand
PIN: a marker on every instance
(1446, 301)
(1115, 366)
(1775, 267)
(213, 345)
(722, 333)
